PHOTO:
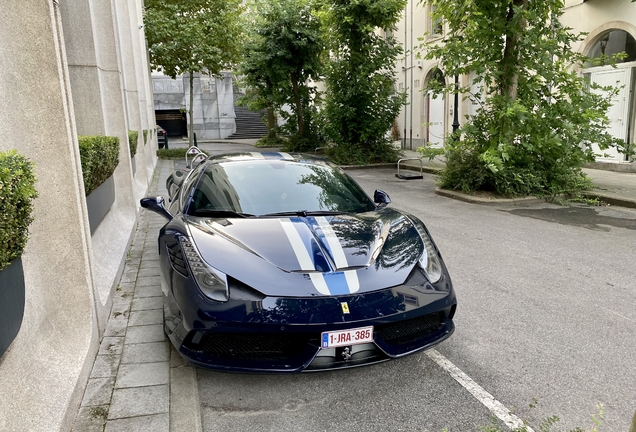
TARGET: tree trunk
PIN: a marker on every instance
(299, 107)
(271, 123)
(510, 76)
(191, 132)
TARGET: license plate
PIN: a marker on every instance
(348, 337)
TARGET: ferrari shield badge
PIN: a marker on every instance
(345, 307)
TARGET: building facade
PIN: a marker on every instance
(610, 28)
(213, 105)
(70, 68)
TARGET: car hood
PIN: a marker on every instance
(313, 255)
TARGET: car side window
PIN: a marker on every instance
(186, 188)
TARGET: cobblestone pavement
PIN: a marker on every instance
(129, 386)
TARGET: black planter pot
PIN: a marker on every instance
(99, 202)
(11, 303)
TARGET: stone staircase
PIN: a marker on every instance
(248, 123)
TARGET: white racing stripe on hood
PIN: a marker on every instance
(352, 280)
(257, 155)
(339, 257)
(319, 283)
(305, 261)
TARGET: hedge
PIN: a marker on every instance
(145, 136)
(132, 142)
(175, 153)
(17, 191)
(100, 156)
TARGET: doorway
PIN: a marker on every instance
(435, 107)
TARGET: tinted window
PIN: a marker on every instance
(272, 186)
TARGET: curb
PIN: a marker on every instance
(611, 199)
(484, 201)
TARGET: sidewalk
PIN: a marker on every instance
(137, 373)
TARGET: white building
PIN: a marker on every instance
(611, 28)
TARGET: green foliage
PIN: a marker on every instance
(145, 133)
(191, 36)
(361, 104)
(361, 154)
(538, 119)
(282, 55)
(133, 140)
(100, 157)
(175, 153)
(17, 191)
(271, 142)
(430, 152)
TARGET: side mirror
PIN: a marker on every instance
(156, 204)
(381, 198)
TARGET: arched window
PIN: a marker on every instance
(614, 42)
(438, 76)
(435, 109)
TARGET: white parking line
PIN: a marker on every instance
(495, 407)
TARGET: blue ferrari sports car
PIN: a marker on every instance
(273, 262)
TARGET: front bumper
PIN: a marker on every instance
(283, 334)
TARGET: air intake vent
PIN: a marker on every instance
(176, 259)
(254, 346)
(403, 332)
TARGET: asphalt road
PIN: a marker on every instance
(547, 312)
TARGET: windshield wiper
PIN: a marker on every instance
(220, 213)
(304, 213)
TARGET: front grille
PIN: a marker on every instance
(254, 346)
(177, 259)
(403, 332)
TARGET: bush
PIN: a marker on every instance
(145, 136)
(177, 153)
(132, 142)
(100, 156)
(17, 192)
(363, 154)
(271, 142)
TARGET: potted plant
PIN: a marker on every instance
(133, 140)
(17, 191)
(100, 157)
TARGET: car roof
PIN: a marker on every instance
(254, 156)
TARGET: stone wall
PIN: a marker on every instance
(213, 102)
(69, 68)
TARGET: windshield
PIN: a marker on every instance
(263, 187)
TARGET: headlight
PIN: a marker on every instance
(429, 262)
(211, 282)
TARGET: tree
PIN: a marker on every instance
(282, 56)
(361, 103)
(538, 118)
(190, 36)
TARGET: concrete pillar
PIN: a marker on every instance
(127, 54)
(43, 373)
(97, 97)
